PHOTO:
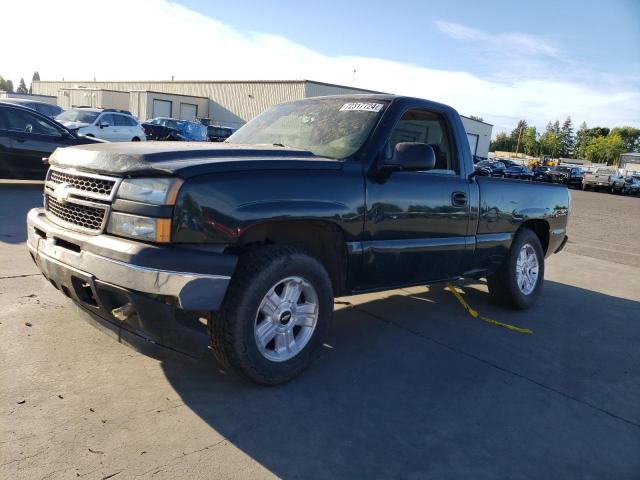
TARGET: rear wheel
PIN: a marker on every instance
(517, 283)
(135, 139)
(275, 316)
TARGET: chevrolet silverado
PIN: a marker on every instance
(241, 246)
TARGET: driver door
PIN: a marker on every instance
(417, 221)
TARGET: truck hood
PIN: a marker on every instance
(184, 159)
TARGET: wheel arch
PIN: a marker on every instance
(323, 239)
(541, 228)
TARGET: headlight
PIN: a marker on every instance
(142, 228)
(158, 191)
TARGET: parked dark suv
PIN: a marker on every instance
(51, 111)
(27, 136)
(572, 175)
(490, 168)
(218, 134)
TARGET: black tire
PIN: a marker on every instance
(135, 139)
(503, 288)
(232, 328)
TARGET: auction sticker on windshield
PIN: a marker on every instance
(367, 107)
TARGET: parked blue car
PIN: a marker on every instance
(180, 129)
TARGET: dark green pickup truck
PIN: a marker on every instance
(243, 245)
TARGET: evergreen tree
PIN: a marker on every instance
(567, 140)
(22, 88)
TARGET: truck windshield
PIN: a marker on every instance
(334, 128)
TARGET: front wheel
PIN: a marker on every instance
(275, 316)
(517, 283)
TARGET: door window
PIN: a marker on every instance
(107, 118)
(25, 122)
(426, 127)
(121, 121)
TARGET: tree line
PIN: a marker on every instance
(7, 85)
(597, 144)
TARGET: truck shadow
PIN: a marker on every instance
(411, 386)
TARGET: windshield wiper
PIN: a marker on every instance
(281, 145)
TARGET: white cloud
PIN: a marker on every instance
(155, 39)
(520, 43)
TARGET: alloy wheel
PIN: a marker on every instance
(527, 269)
(286, 319)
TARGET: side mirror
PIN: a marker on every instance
(103, 124)
(411, 156)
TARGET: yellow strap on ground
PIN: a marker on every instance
(475, 314)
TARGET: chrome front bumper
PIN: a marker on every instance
(54, 247)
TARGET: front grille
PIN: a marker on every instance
(75, 215)
(79, 200)
(92, 184)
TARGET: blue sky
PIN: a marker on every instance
(501, 60)
(605, 35)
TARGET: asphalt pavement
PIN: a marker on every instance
(408, 384)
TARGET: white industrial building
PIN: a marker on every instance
(228, 103)
(630, 162)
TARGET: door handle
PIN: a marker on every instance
(459, 199)
(20, 139)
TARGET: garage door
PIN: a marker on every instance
(473, 142)
(188, 111)
(161, 108)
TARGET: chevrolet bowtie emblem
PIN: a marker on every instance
(62, 192)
